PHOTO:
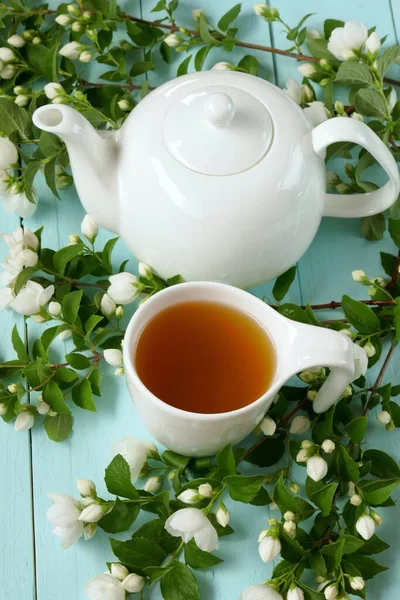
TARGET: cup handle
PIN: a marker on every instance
(319, 347)
(341, 129)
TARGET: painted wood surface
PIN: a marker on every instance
(31, 563)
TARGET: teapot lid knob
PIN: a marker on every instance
(219, 109)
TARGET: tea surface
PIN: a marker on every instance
(205, 357)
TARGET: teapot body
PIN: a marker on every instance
(242, 229)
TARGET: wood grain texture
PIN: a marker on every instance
(326, 268)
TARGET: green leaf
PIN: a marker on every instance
(141, 67)
(268, 453)
(200, 57)
(198, 559)
(77, 361)
(118, 479)
(244, 488)
(58, 428)
(179, 584)
(382, 465)
(387, 58)
(323, 498)
(205, 33)
(291, 550)
(283, 283)
(49, 143)
(373, 227)
(353, 72)
(283, 498)
(222, 531)
(50, 176)
(183, 67)
(42, 59)
(19, 346)
(70, 306)
(335, 552)
(107, 253)
(389, 262)
(394, 230)
(13, 118)
(175, 460)
(377, 492)
(317, 563)
(226, 461)
(352, 544)
(229, 17)
(360, 315)
(94, 379)
(91, 323)
(249, 64)
(330, 25)
(29, 176)
(155, 530)
(65, 375)
(62, 257)
(323, 430)
(367, 566)
(55, 398)
(23, 277)
(120, 518)
(357, 429)
(374, 546)
(138, 553)
(348, 470)
(82, 395)
(370, 103)
(155, 573)
(318, 47)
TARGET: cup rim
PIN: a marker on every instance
(133, 375)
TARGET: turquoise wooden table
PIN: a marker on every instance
(32, 565)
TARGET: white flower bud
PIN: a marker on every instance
(53, 89)
(89, 228)
(357, 116)
(86, 487)
(369, 349)
(268, 426)
(331, 592)
(317, 468)
(76, 26)
(355, 500)
(269, 548)
(87, 15)
(222, 66)
(72, 50)
(357, 583)
(113, 357)
(271, 523)
(307, 444)
(328, 446)
(376, 517)
(38, 318)
(144, 270)
(42, 407)
(133, 583)
(290, 528)
(205, 490)
(172, 40)
(300, 424)
(119, 571)
(74, 239)
(302, 456)
(373, 43)
(17, 41)
(86, 56)
(119, 371)
(119, 312)
(22, 100)
(3, 408)
(92, 513)
(153, 484)
(359, 275)
(24, 421)
(366, 527)
(124, 104)
(89, 530)
(264, 532)
(196, 13)
(223, 515)
(314, 34)
(12, 388)
(294, 488)
(189, 497)
(36, 40)
(64, 335)
(295, 593)
(73, 9)
(348, 391)
(107, 306)
(261, 9)
(8, 72)
(384, 417)
(7, 55)
(54, 309)
(289, 516)
(273, 506)
(63, 20)
(311, 395)
(307, 69)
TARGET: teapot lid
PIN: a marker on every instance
(218, 130)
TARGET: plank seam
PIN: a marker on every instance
(394, 21)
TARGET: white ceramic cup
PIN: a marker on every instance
(298, 347)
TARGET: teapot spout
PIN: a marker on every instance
(93, 157)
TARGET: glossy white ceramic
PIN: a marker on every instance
(216, 176)
(298, 347)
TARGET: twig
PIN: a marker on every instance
(335, 304)
(393, 142)
(380, 377)
(395, 274)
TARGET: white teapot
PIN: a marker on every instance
(215, 175)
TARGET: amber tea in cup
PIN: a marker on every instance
(205, 357)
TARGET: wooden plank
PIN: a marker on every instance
(16, 530)
(338, 249)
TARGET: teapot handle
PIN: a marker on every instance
(341, 129)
